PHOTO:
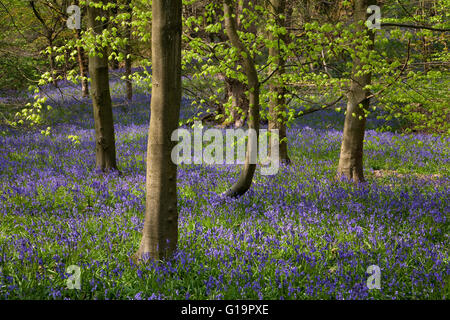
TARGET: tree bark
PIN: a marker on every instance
(52, 61)
(351, 156)
(101, 99)
(129, 82)
(82, 66)
(245, 179)
(114, 12)
(277, 103)
(236, 89)
(160, 233)
(239, 105)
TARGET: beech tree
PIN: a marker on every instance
(100, 92)
(277, 104)
(160, 233)
(82, 66)
(236, 89)
(128, 34)
(245, 179)
(82, 62)
(351, 156)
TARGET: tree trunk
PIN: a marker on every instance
(277, 103)
(129, 82)
(114, 12)
(52, 61)
(86, 67)
(160, 233)
(101, 100)
(82, 66)
(236, 89)
(425, 45)
(245, 179)
(239, 105)
(351, 156)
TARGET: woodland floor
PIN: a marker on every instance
(297, 235)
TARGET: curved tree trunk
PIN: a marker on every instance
(245, 179)
(351, 156)
(235, 88)
(101, 100)
(277, 103)
(160, 234)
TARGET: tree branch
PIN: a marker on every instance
(413, 26)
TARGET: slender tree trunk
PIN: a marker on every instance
(160, 234)
(101, 100)
(114, 12)
(277, 103)
(86, 67)
(245, 179)
(129, 82)
(425, 45)
(351, 157)
(82, 66)
(52, 61)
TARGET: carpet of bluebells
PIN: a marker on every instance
(300, 234)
